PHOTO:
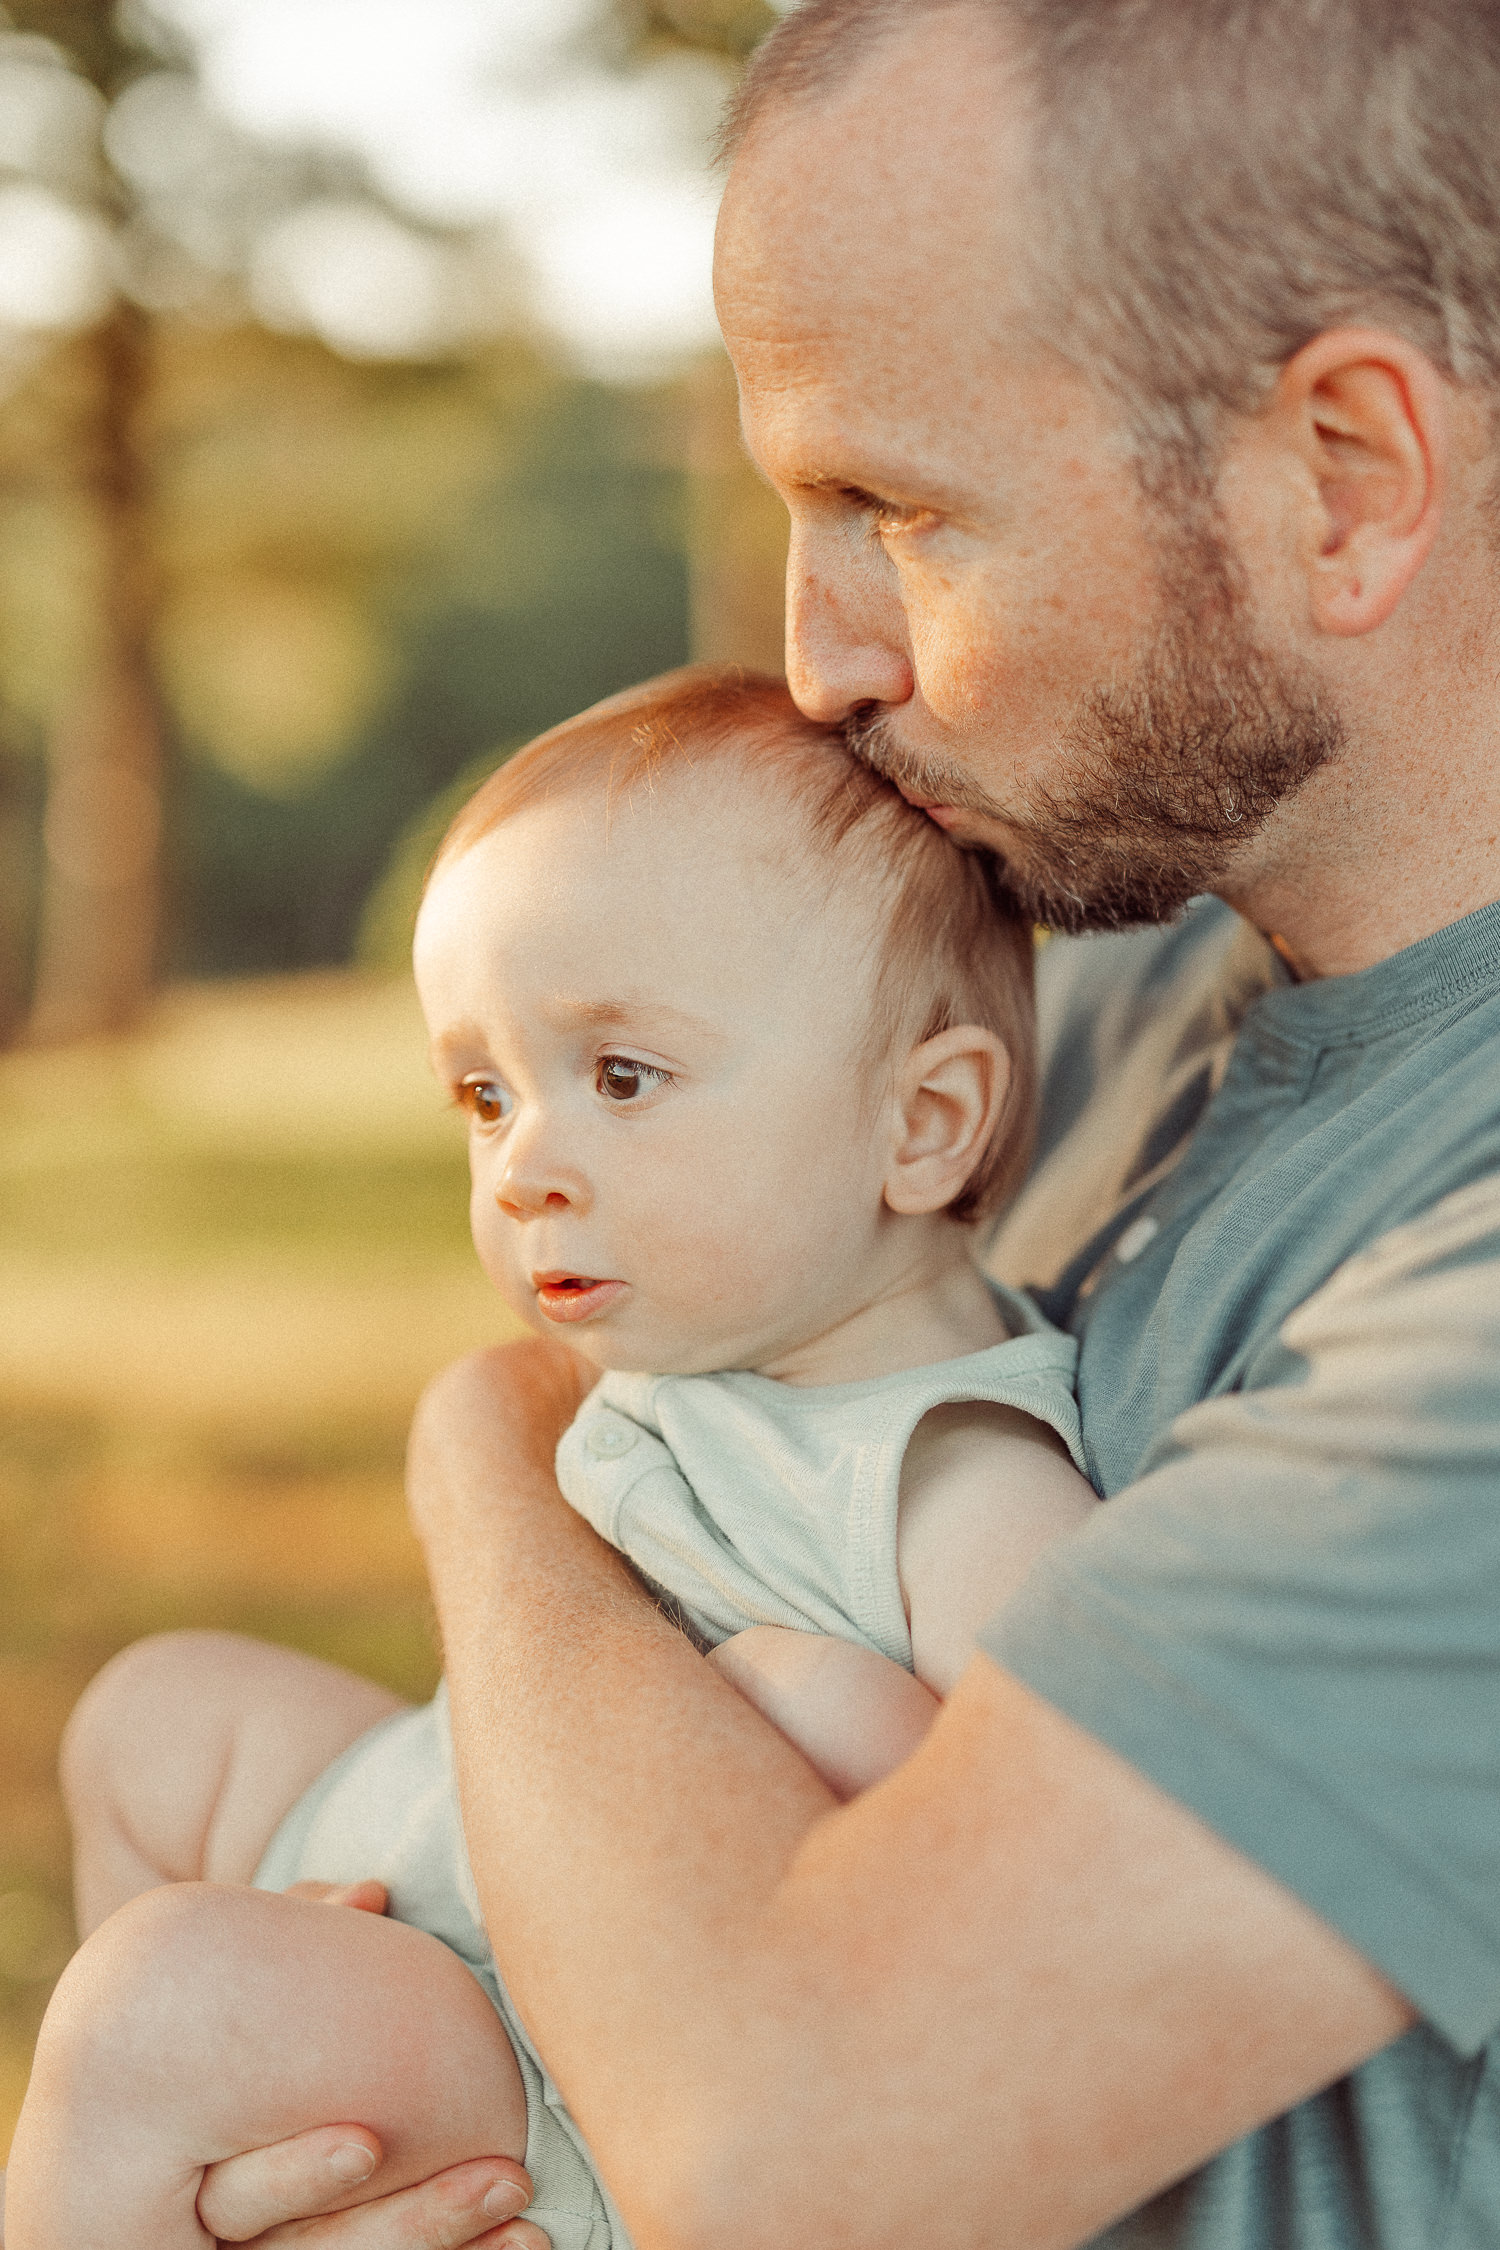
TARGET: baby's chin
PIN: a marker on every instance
(629, 1338)
(652, 1351)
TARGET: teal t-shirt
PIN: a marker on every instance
(1270, 1213)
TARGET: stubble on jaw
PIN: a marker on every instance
(1164, 777)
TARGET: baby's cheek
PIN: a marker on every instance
(498, 1254)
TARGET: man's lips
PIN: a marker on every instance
(942, 815)
(573, 1296)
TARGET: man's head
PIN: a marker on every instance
(1107, 353)
(739, 1033)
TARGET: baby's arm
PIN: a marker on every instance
(983, 1490)
(200, 2021)
(853, 1714)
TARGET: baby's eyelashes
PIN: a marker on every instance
(620, 1078)
(486, 1099)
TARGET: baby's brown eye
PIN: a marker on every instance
(486, 1100)
(619, 1080)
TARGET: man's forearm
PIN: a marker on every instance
(1014, 1979)
(628, 1815)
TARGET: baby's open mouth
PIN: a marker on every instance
(573, 1296)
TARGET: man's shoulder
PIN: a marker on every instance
(1133, 1027)
(1389, 1071)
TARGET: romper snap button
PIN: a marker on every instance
(609, 1437)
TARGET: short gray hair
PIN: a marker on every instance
(1217, 181)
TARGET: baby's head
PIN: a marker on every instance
(744, 1039)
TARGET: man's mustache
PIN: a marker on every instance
(871, 736)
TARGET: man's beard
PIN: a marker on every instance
(1165, 778)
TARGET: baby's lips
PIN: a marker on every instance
(573, 1296)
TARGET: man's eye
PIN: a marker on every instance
(619, 1079)
(486, 1099)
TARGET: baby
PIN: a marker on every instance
(744, 1044)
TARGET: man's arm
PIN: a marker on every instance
(1014, 1980)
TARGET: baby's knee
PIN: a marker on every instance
(147, 1985)
(140, 1700)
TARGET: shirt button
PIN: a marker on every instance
(1135, 1238)
(610, 1436)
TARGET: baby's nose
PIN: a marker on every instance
(522, 1200)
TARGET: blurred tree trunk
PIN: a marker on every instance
(102, 880)
(737, 534)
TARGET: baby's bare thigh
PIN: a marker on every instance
(206, 1740)
(201, 2021)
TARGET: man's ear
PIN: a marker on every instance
(1369, 416)
(947, 1103)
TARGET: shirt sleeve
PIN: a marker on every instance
(1291, 1621)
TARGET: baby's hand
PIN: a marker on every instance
(365, 1898)
(853, 1714)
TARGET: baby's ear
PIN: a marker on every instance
(947, 1104)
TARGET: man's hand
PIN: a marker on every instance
(489, 1422)
(279, 2199)
(282, 2194)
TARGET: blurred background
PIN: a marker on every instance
(361, 414)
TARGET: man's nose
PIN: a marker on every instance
(846, 642)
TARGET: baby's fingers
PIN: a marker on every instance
(281, 2196)
(367, 1897)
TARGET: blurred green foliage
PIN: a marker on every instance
(554, 574)
(368, 578)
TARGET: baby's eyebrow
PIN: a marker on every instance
(618, 1015)
(455, 1040)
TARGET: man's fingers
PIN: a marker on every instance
(246, 2194)
(281, 2196)
(468, 2208)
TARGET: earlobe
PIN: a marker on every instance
(1370, 415)
(947, 1104)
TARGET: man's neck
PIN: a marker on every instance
(1381, 848)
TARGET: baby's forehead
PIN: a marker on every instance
(701, 874)
(749, 821)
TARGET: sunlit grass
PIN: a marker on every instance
(231, 1251)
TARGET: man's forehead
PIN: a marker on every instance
(903, 172)
(869, 255)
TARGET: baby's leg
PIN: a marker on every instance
(186, 1751)
(199, 2022)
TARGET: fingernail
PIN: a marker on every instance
(504, 2200)
(351, 2163)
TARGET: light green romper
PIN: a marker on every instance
(747, 1502)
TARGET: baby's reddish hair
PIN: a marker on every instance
(952, 946)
